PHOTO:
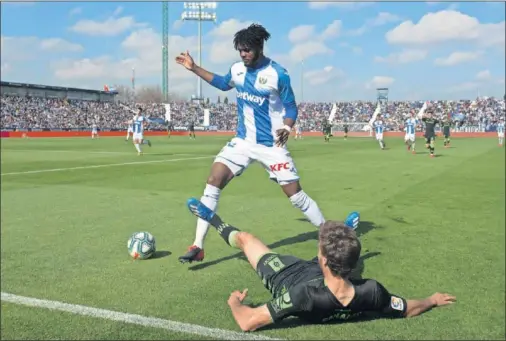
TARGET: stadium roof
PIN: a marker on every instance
(50, 87)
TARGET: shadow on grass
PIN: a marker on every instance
(365, 227)
(294, 322)
(160, 254)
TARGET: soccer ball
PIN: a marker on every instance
(141, 245)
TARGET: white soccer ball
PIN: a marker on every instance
(141, 245)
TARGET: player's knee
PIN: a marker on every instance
(292, 188)
(220, 175)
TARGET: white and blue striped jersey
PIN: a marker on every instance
(264, 98)
(379, 127)
(138, 124)
(500, 127)
(410, 126)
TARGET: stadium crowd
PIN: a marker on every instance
(51, 113)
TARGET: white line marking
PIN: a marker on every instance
(106, 165)
(140, 320)
(67, 151)
(77, 151)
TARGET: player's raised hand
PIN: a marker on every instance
(440, 299)
(186, 60)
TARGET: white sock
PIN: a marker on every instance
(138, 147)
(210, 199)
(309, 207)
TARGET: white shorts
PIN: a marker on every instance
(500, 134)
(238, 154)
(130, 130)
(137, 136)
(379, 136)
(409, 137)
(94, 131)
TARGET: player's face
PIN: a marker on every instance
(248, 55)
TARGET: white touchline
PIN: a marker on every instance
(106, 165)
(75, 151)
(221, 334)
(68, 151)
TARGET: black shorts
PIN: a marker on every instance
(271, 268)
(446, 133)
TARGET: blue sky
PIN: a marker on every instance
(419, 50)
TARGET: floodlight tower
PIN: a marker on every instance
(199, 11)
(382, 96)
(165, 51)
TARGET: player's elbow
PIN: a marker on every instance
(219, 82)
(291, 111)
(251, 324)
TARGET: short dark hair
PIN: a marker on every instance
(253, 37)
(140, 109)
(340, 245)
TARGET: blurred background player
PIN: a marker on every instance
(138, 123)
(94, 131)
(410, 137)
(327, 130)
(446, 125)
(345, 127)
(426, 115)
(379, 128)
(319, 290)
(500, 132)
(191, 129)
(267, 112)
(130, 130)
(170, 128)
(298, 132)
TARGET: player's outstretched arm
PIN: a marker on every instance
(417, 307)
(220, 82)
(249, 319)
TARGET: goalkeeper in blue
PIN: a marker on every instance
(317, 290)
(266, 114)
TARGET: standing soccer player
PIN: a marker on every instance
(447, 124)
(500, 132)
(410, 137)
(298, 132)
(130, 130)
(138, 123)
(170, 127)
(94, 131)
(345, 131)
(191, 129)
(267, 112)
(379, 127)
(430, 133)
(327, 130)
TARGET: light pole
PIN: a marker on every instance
(199, 11)
(302, 81)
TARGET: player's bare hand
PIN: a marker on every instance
(282, 137)
(440, 299)
(237, 296)
(186, 60)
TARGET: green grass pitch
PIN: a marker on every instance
(430, 225)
